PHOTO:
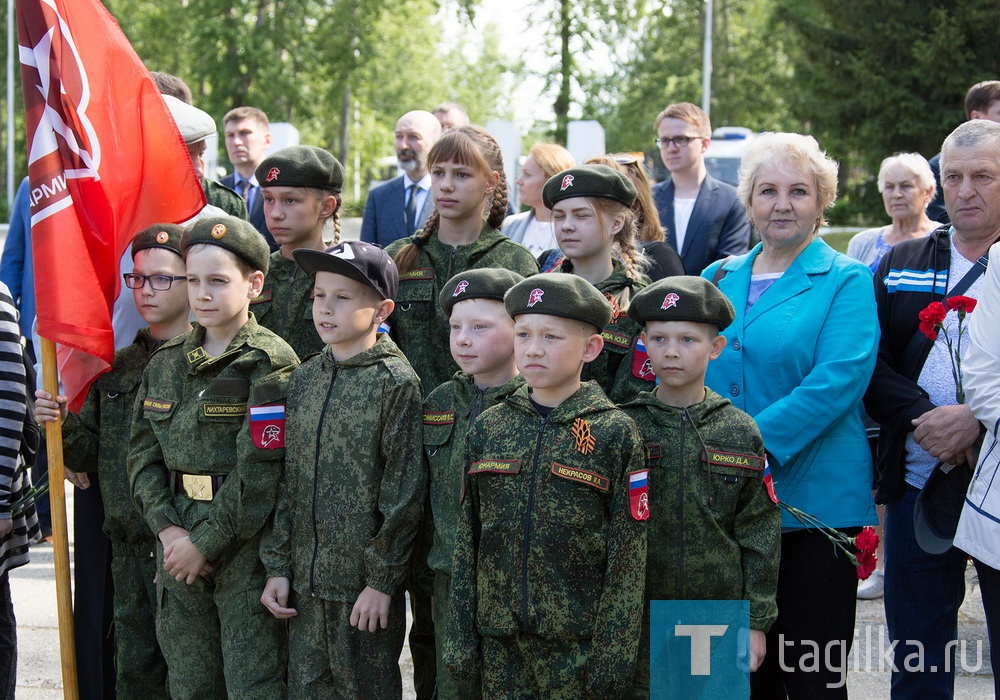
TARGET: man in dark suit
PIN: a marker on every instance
(248, 134)
(398, 208)
(703, 219)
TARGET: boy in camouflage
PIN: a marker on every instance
(714, 532)
(547, 576)
(301, 189)
(96, 439)
(482, 343)
(354, 486)
(204, 464)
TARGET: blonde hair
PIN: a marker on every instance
(473, 147)
(647, 218)
(686, 112)
(332, 221)
(776, 150)
(551, 158)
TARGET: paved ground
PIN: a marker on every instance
(39, 678)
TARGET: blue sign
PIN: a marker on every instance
(699, 649)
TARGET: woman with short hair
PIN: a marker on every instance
(533, 228)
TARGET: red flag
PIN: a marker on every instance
(105, 160)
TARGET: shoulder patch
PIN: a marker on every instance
(267, 426)
(642, 367)
(638, 494)
(582, 476)
(421, 273)
(619, 340)
(496, 466)
(265, 295)
(439, 417)
(734, 459)
(157, 405)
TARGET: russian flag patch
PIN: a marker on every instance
(638, 494)
(769, 482)
(267, 426)
(642, 368)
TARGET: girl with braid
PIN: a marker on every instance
(595, 229)
(469, 188)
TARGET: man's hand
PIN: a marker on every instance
(275, 597)
(371, 610)
(946, 432)
(78, 479)
(47, 409)
(758, 648)
(183, 560)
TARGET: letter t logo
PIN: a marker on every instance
(701, 645)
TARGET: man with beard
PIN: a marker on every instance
(399, 207)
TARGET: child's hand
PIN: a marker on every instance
(275, 597)
(171, 533)
(78, 479)
(48, 410)
(758, 648)
(371, 610)
(183, 560)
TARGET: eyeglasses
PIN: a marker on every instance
(160, 283)
(625, 159)
(679, 141)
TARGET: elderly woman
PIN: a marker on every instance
(798, 358)
(907, 186)
(532, 228)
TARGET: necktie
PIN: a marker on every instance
(244, 187)
(411, 211)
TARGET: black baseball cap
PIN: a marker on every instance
(363, 262)
(939, 506)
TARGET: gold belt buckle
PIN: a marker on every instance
(198, 487)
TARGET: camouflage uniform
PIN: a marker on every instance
(224, 198)
(714, 533)
(419, 326)
(549, 562)
(191, 416)
(448, 413)
(621, 369)
(96, 439)
(349, 507)
(284, 305)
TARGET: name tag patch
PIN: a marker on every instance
(421, 273)
(439, 417)
(653, 450)
(732, 459)
(265, 295)
(157, 405)
(224, 409)
(617, 339)
(496, 466)
(267, 426)
(582, 476)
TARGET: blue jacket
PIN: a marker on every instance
(718, 226)
(385, 213)
(16, 268)
(799, 363)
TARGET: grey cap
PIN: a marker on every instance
(194, 124)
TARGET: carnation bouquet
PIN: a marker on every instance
(932, 320)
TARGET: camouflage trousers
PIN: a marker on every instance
(448, 687)
(141, 671)
(328, 659)
(216, 635)
(527, 666)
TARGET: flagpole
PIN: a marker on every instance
(60, 534)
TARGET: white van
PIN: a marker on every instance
(722, 159)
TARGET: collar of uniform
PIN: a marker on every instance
(697, 412)
(196, 339)
(589, 398)
(466, 389)
(382, 349)
(281, 268)
(488, 237)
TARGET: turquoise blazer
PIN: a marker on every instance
(799, 362)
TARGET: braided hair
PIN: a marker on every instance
(472, 146)
(333, 220)
(624, 245)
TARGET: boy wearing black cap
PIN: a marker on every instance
(301, 188)
(714, 532)
(96, 439)
(354, 486)
(482, 344)
(204, 464)
(550, 552)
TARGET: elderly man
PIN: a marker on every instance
(398, 208)
(451, 114)
(912, 395)
(248, 134)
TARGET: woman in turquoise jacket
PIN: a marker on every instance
(798, 359)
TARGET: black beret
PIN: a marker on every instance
(301, 166)
(237, 236)
(559, 294)
(589, 181)
(363, 262)
(480, 283)
(166, 236)
(682, 298)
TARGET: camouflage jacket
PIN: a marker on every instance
(621, 369)
(192, 415)
(546, 543)
(225, 198)
(419, 326)
(352, 496)
(714, 533)
(96, 438)
(284, 306)
(448, 412)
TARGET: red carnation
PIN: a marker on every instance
(935, 312)
(865, 567)
(867, 540)
(960, 303)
